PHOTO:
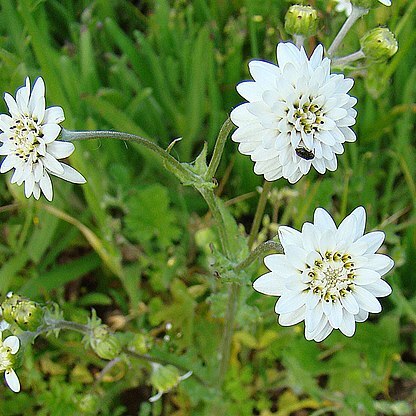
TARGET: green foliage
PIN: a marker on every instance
(144, 252)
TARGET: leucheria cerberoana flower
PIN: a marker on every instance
(29, 142)
(8, 355)
(328, 277)
(298, 114)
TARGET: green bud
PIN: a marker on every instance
(27, 314)
(89, 404)
(104, 343)
(140, 343)
(164, 378)
(301, 20)
(379, 44)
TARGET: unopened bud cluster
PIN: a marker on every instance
(27, 314)
(301, 20)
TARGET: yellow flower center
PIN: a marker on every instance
(332, 277)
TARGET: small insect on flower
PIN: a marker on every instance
(304, 153)
(28, 138)
(328, 277)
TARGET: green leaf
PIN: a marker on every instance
(150, 216)
(60, 275)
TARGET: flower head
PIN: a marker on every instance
(8, 354)
(298, 114)
(328, 277)
(29, 142)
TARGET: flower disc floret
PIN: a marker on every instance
(328, 277)
(298, 114)
(29, 142)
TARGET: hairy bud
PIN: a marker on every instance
(379, 44)
(27, 314)
(301, 20)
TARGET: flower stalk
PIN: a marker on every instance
(356, 13)
(185, 175)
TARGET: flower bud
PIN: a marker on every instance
(379, 44)
(27, 314)
(89, 404)
(301, 20)
(165, 378)
(104, 343)
(140, 344)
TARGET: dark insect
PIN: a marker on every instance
(304, 153)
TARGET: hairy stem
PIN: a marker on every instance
(183, 174)
(258, 252)
(219, 148)
(356, 13)
(345, 60)
(267, 186)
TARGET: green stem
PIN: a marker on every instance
(219, 148)
(212, 201)
(267, 186)
(258, 252)
(185, 175)
(356, 13)
(345, 60)
(228, 331)
(162, 361)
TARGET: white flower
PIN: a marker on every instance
(328, 276)
(8, 350)
(343, 6)
(298, 114)
(29, 142)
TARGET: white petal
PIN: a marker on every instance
(366, 276)
(296, 256)
(278, 264)
(269, 284)
(50, 132)
(60, 150)
(289, 236)
(29, 184)
(45, 185)
(289, 302)
(292, 318)
(350, 304)
(361, 316)
(324, 333)
(13, 343)
(54, 115)
(347, 326)
(12, 105)
(38, 92)
(323, 220)
(52, 164)
(371, 241)
(313, 317)
(335, 317)
(379, 288)
(366, 300)
(8, 163)
(70, 174)
(12, 380)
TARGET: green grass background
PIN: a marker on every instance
(134, 244)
